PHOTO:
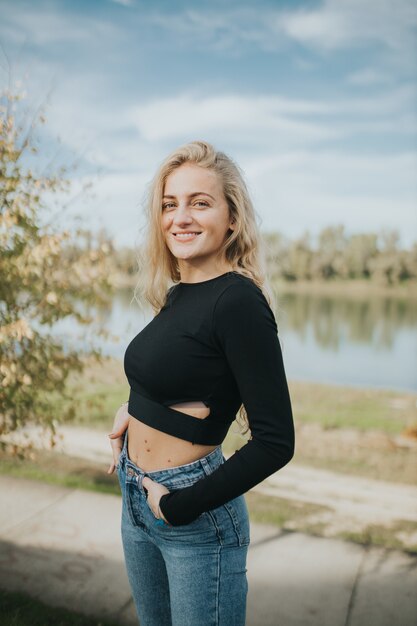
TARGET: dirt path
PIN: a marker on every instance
(360, 500)
(371, 501)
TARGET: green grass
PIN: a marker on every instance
(59, 469)
(19, 609)
(295, 516)
(98, 392)
(396, 466)
(279, 512)
(334, 406)
(384, 536)
(102, 388)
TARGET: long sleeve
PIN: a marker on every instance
(244, 328)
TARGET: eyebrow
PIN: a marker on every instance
(191, 195)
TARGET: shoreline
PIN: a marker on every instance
(353, 288)
(349, 288)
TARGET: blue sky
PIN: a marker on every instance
(315, 100)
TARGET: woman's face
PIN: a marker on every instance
(193, 202)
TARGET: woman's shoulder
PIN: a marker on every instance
(240, 291)
(242, 307)
(237, 283)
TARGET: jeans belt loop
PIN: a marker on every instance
(140, 479)
(206, 465)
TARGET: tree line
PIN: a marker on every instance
(377, 257)
(335, 256)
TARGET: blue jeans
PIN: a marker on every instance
(188, 575)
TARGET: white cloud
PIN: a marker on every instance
(263, 119)
(187, 116)
(333, 25)
(221, 30)
(339, 24)
(124, 3)
(368, 76)
(114, 202)
(310, 190)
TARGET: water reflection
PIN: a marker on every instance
(375, 321)
(337, 339)
(370, 341)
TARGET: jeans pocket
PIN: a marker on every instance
(201, 531)
(202, 525)
(235, 515)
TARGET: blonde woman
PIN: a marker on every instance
(211, 351)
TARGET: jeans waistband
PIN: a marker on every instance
(204, 465)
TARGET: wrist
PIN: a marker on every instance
(123, 408)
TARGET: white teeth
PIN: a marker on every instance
(185, 235)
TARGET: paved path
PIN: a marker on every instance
(354, 501)
(63, 546)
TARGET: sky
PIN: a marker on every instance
(315, 100)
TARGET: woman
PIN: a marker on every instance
(211, 346)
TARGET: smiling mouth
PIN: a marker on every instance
(185, 236)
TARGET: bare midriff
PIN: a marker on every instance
(152, 450)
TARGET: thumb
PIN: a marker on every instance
(116, 433)
(146, 481)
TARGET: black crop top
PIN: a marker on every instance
(215, 341)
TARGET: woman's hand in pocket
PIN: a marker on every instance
(155, 492)
(121, 421)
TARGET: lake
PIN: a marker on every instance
(369, 342)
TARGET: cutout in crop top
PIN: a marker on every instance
(214, 341)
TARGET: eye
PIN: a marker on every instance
(167, 205)
(202, 202)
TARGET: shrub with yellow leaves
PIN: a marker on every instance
(45, 273)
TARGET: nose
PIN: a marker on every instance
(182, 215)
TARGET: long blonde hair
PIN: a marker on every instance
(243, 248)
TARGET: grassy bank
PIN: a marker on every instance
(335, 406)
(59, 469)
(102, 388)
(347, 288)
(313, 519)
(351, 287)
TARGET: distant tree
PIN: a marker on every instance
(41, 282)
(277, 247)
(360, 250)
(298, 261)
(410, 262)
(389, 241)
(388, 266)
(392, 265)
(378, 258)
(328, 259)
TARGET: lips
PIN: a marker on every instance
(187, 236)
